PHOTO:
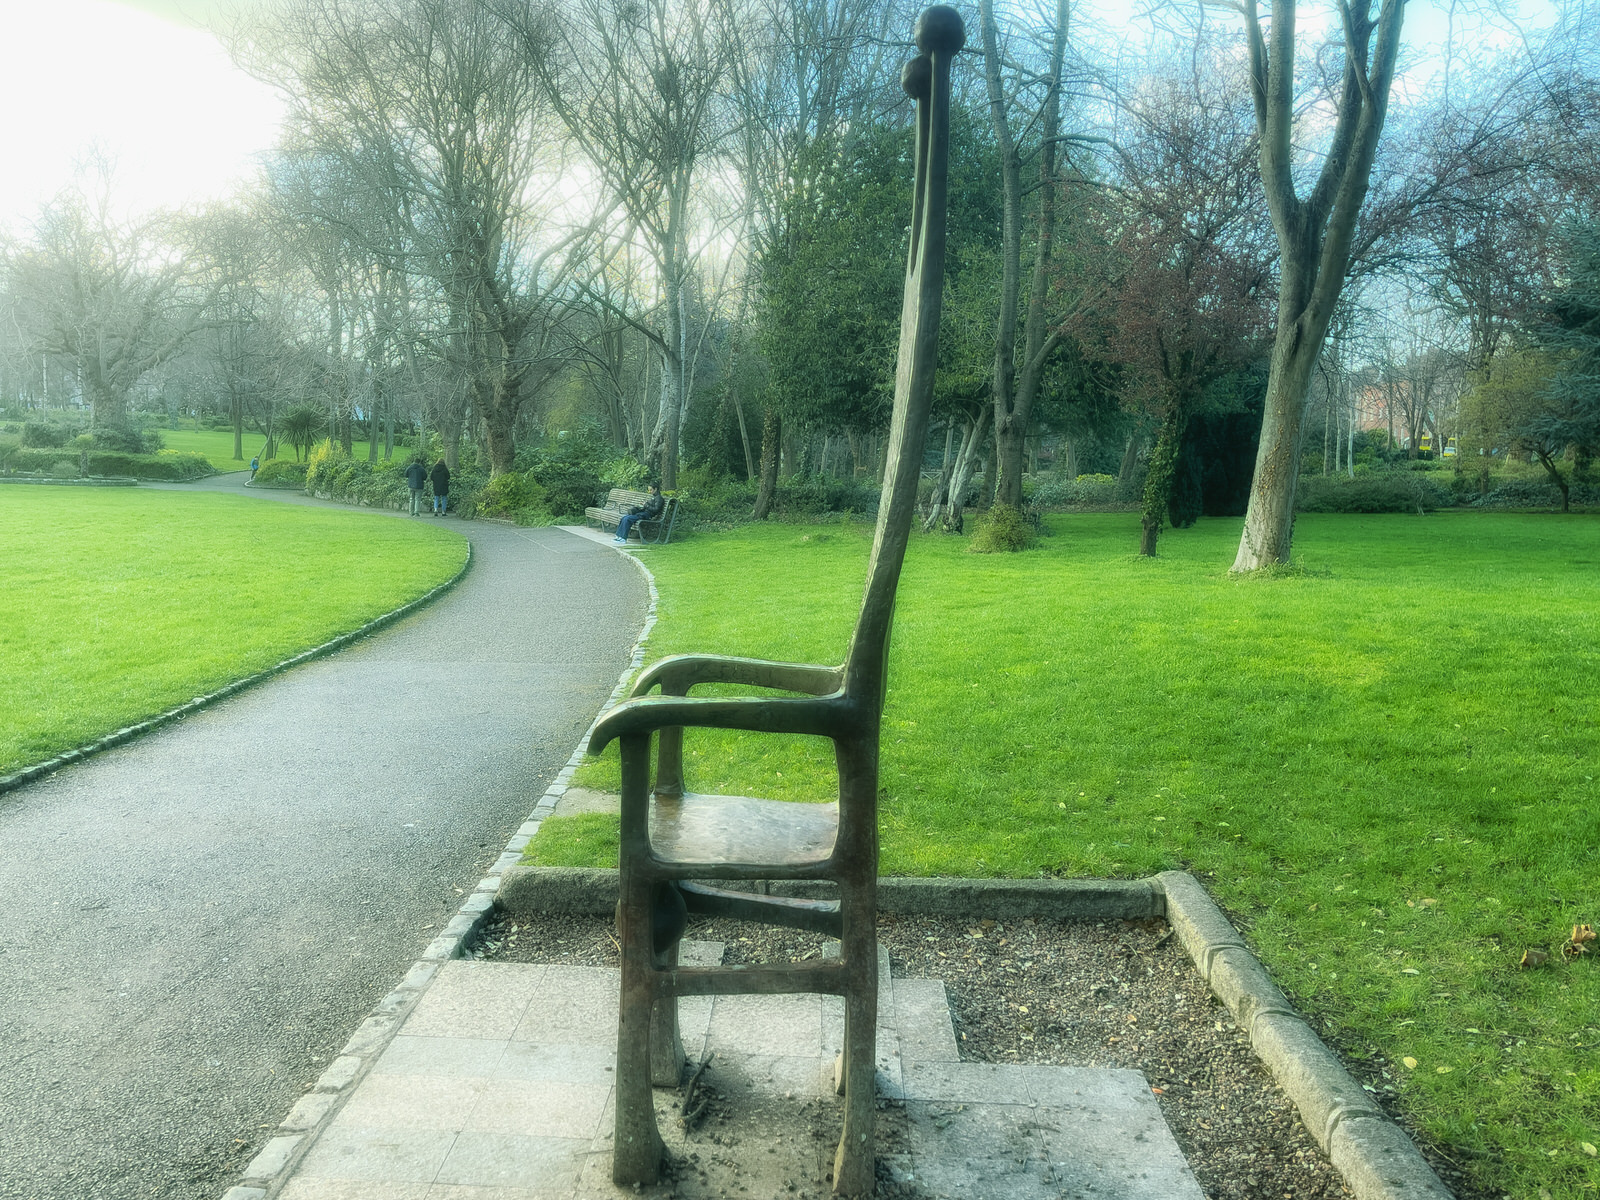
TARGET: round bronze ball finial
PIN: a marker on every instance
(940, 29)
(916, 77)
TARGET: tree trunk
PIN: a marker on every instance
(1549, 464)
(941, 488)
(1314, 234)
(972, 435)
(1130, 461)
(1158, 480)
(1269, 519)
(768, 488)
(372, 423)
(107, 406)
(744, 434)
(1018, 368)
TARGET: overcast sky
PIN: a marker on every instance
(143, 83)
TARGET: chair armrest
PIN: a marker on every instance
(676, 675)
(834, 716)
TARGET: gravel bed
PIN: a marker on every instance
(1111, 994)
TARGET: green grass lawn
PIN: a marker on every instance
(217, 446)
(121, 603)
(1382, 764)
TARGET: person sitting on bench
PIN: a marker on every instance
(648, 511)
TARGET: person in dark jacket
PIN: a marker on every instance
(416, 480)
(647, 511)
(441, 487)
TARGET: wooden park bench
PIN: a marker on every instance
(679, 846)
(620, 500)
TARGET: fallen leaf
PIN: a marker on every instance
(1534, 957)
(1429, 902)
(1588, 1148)
(1582, 933)
(1410, 971)
(1444, 1070)
(1411, 1063)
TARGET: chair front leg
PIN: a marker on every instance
(636, 1155)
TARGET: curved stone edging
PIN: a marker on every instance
(101, 481)
(41, 769)
(1376, 1158)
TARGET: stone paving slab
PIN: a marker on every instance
(499, 1086)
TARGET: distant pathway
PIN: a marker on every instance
(197, 920)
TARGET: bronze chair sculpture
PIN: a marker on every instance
(671, 836)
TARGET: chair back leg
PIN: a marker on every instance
(636, 1157)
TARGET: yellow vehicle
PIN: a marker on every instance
(1426, 444)
(1449, 450)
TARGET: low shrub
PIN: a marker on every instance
(1373, 492)
(281, 473)
(1004, 528)
(46, 435)
(712, 502)
(1049, 492)
(625, 472)
(1535, 493)
(513, 492)
(127, 440)
(803, 496)
(569, 477)
(168, 465)
(324, 459)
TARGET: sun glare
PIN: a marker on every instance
(163, 103)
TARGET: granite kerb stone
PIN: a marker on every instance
(39, 770)
(1373, 1154)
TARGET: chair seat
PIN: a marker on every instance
(734, 831)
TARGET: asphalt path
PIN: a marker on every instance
(195, 922)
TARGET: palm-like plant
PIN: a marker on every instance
(300, 427)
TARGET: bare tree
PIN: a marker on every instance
(639, 85)
(1186, 265)
(438, 112)
(1315, 232)
(108, 296)
(238, 257)
(1019, 365)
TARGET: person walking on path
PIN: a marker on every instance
(255, 464)
(441, 487)
(416, 479)
(647, 511)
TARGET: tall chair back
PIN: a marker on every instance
(673, 839)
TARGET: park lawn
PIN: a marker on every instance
(217, 446)
(1380, 762)
(120, 603)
